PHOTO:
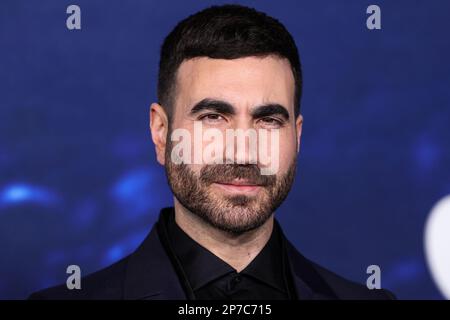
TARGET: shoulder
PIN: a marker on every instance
(326, 284)
(349, 290)
(106, 283)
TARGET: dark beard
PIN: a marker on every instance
(235, 214)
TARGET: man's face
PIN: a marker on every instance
(249, 93)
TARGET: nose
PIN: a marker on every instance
(241, 142)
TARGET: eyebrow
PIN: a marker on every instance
(270, 110)
(213, 105)
(226, 108)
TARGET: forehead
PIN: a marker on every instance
(243, 82)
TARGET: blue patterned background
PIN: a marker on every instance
(79, 183)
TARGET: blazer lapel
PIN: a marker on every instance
(308, 283)
(150, 274)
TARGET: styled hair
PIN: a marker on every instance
(225, 32)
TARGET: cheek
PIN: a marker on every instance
(287, 151)
(196, 168)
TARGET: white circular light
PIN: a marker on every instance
(437, 244)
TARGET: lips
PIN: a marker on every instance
(239, 182)
(239, 186)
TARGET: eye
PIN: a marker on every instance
(271, 122)
(211, 118)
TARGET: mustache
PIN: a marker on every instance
(226, 173)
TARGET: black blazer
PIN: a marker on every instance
(148, 274)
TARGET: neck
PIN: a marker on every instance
(236, 250)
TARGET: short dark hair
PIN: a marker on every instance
(225, 32)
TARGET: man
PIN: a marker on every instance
(224, 72)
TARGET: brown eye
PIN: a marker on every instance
(271, 122)
(212, 118)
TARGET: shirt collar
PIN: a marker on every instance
(201, 266)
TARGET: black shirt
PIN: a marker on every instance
(209, 277)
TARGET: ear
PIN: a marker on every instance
(298, 127)
(159, 126)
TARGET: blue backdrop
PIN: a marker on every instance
(79, 183)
